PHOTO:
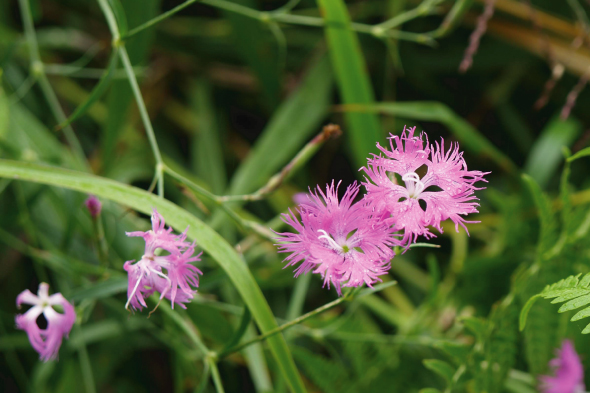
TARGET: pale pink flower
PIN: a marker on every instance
(166, 273)
(568, 370)
(342, 241)
(59, 322)
(446, 189)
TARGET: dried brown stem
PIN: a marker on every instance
(480, 29)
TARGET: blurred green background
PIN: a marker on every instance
(234, 90)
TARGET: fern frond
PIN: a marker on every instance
(573, 290)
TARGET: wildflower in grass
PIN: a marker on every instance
(568, 370)
(446, 189)
(59, 316)
(171, 273)
(93, 205)
(340, 240)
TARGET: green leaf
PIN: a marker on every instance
(244, 322)
(429, 390)
(100, 290)
(352, 77)
(440, 367)
(524, 313)
(209, 240)
(254, 42)
(119, 12)
(546, 217)
(573, 290)
(297, 119)
(328, 375)
(582, 153)
(546, 154)
(4, 112)
(98, 90)
(471, 139)
(477, 326)
(207, 154)
(457, 351)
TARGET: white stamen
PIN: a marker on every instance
(329, 239)
(165, 291)
(133, 292)
(415, 187)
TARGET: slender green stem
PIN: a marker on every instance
(144, 117)
(112, 22)
(86, 366)
(185, 324)
(39, 74)
(280, 15)
(157, 19)
(329, 131)
(242, 223)
(285, 326)
(424, 8)
(215, 375)
(204, 379)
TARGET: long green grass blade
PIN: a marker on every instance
(352, 77)
(4, 111)
(210, 241)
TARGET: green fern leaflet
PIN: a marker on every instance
(572, 290)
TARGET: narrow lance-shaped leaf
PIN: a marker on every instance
(353, 80)
(209, 240)
(97, 92)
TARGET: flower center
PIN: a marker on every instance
(345, 248)
(413, 184)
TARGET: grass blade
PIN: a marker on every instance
(352, 77)
(292, 124)
(209, 240)
(97, 92)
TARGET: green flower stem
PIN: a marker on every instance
(102, 248)
(184, 323)
(425, 8)
(215, 375)
(37, 69)
(85, 365)
(111, 20)
(243, 224)
(204, 378)
(297, 162)
(296, 321)
(281, 16)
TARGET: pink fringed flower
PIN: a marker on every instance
(342, 241)
(569, 373)
(167, 273)
(446, 189)
(59, 322)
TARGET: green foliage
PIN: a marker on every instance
(572, 290)
(214, 98)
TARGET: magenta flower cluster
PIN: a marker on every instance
(350, 243)
(568, 372)
(165, 267)
(170, 273)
